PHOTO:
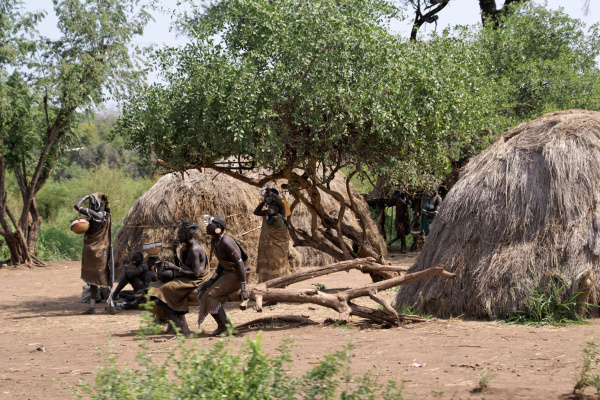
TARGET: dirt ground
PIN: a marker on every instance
(41, 308)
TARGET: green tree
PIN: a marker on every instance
(53, 83)
(540, 61)
(301, 89)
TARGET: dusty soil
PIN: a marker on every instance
(41, 307)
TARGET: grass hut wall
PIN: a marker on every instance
(155, 216)
(524, 212)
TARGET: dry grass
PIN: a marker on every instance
(531, 198)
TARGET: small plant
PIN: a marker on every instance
(319, 286)
(550, 304)
(484, 380)
(218, 372)
(589, 371)
(410, 309)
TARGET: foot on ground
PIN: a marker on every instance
(89, 311)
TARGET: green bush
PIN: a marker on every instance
(220, 373)
(56, 199)
(550, 304)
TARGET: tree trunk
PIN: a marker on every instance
(34, 227)
(489, 12)
(18, 248)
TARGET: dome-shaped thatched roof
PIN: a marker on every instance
(155, 216)
(524, 211)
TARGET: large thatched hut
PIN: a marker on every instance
(524, 212)
(155, 216)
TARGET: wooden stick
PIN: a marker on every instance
(283, 318)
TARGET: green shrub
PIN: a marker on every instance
(220, 373)
(411, 309)
(56, 199)
(550, 304)
(55, 245)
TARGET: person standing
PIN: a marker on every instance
(229, 277)
(430, 210)
(95, 259)
(402, 221)
(273, 244)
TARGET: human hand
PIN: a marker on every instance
(175, 243)
(244, 295)
(171, 266)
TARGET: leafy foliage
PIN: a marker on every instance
(553, 304)
(218, 372)
(278, 84)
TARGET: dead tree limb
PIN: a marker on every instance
(341, 301)
(364, 265)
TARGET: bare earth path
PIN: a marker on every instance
(41, 308)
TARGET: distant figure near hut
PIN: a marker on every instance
(229, 277)
(272, 261)
(95, 258)
(430, 210)
(179, 279)
(402, 222)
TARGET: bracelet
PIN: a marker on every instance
(243, 285)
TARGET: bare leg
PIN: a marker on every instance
(392, 241)
(122, 283)
(221, 318)
(176, 320)
(93, 294)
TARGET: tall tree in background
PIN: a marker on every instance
(54, 81)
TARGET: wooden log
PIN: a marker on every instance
(341, 300)
(272, 291)
(364, 265)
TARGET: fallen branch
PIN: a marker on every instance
(341, 301)
(365, 265)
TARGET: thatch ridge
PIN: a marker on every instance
(524, 211)
(156, 214)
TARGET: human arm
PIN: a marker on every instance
(139, 271)
(235, 255)
(86, 211)
(259, 210)
(195, 258)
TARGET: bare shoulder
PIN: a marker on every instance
(228, 240)
(197, 248)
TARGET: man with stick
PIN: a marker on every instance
(96, 257)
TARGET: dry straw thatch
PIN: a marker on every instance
(155, 216)
(524, 211)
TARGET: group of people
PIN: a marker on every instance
(169, 284)
(424, 206)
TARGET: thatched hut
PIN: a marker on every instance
(524, 212)
(155, 216)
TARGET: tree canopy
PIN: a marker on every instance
(302, 89)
